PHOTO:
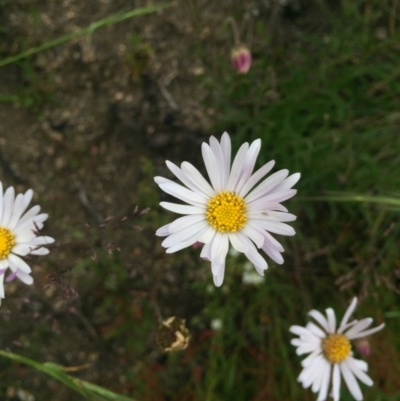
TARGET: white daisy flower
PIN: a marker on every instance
(331, 353)
(18, 235)
(230, 210)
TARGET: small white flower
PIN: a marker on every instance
(216, 324)
(330, 353)
(18, 235)
(230, 210)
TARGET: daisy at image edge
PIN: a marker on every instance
(331, 353)
(230, 209)
(18, 235)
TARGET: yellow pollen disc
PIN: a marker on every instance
(336, 348)
(226, 212)
(7, 242)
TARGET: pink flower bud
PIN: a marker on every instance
(363, 347)
(241, 59)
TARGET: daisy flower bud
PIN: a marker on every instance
(241, 59)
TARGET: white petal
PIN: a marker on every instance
(351, 381)
(163, 231)
(277, 227)
(21, 250)
(219, 250)
(8, 206)
(34, 223)
(40, 251)
(323, 393)
(161, 180)
(197, 179)
(248, 165)
(208, 235)
(298, 330)
(182, 193)
(312, 372)
(184, 222)
(42, 240)
(365, 333)
(237, 244)
(25, 278)
(320, 318)
(215, 247)
(316, 330)
(288, 182)
(182, 209)
(258, 261)
(20, 263)
(273, 253)
(267, 185)
(237, 167)
(2, 294)
(211, 167)
(317, 380)
(254, 235)
(183, 177)
(272, 241)
(336, 382)
(256, 177)
(206, 252)
(219, 278)
(277, 196)
(348, 313)
(27, 198)
(342, 329)
(359, 326)
(226, 150)
(331, 320)
(358, 372)
(259, 208)
(219, 158)
(188, 241)
(176, 238)
(320, 375)
(362, 365)
(32, 212)
(308, 347)
(271, 216)
(18, 209)
(310, 359)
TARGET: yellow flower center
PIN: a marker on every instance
(226, 212)
(336, 348)
(7, 242)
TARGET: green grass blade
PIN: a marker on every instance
(112, 19)
(380, 200)
(87, 389)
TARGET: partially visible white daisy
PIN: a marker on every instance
(19, 235)
(230, 210)
(331, 353)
